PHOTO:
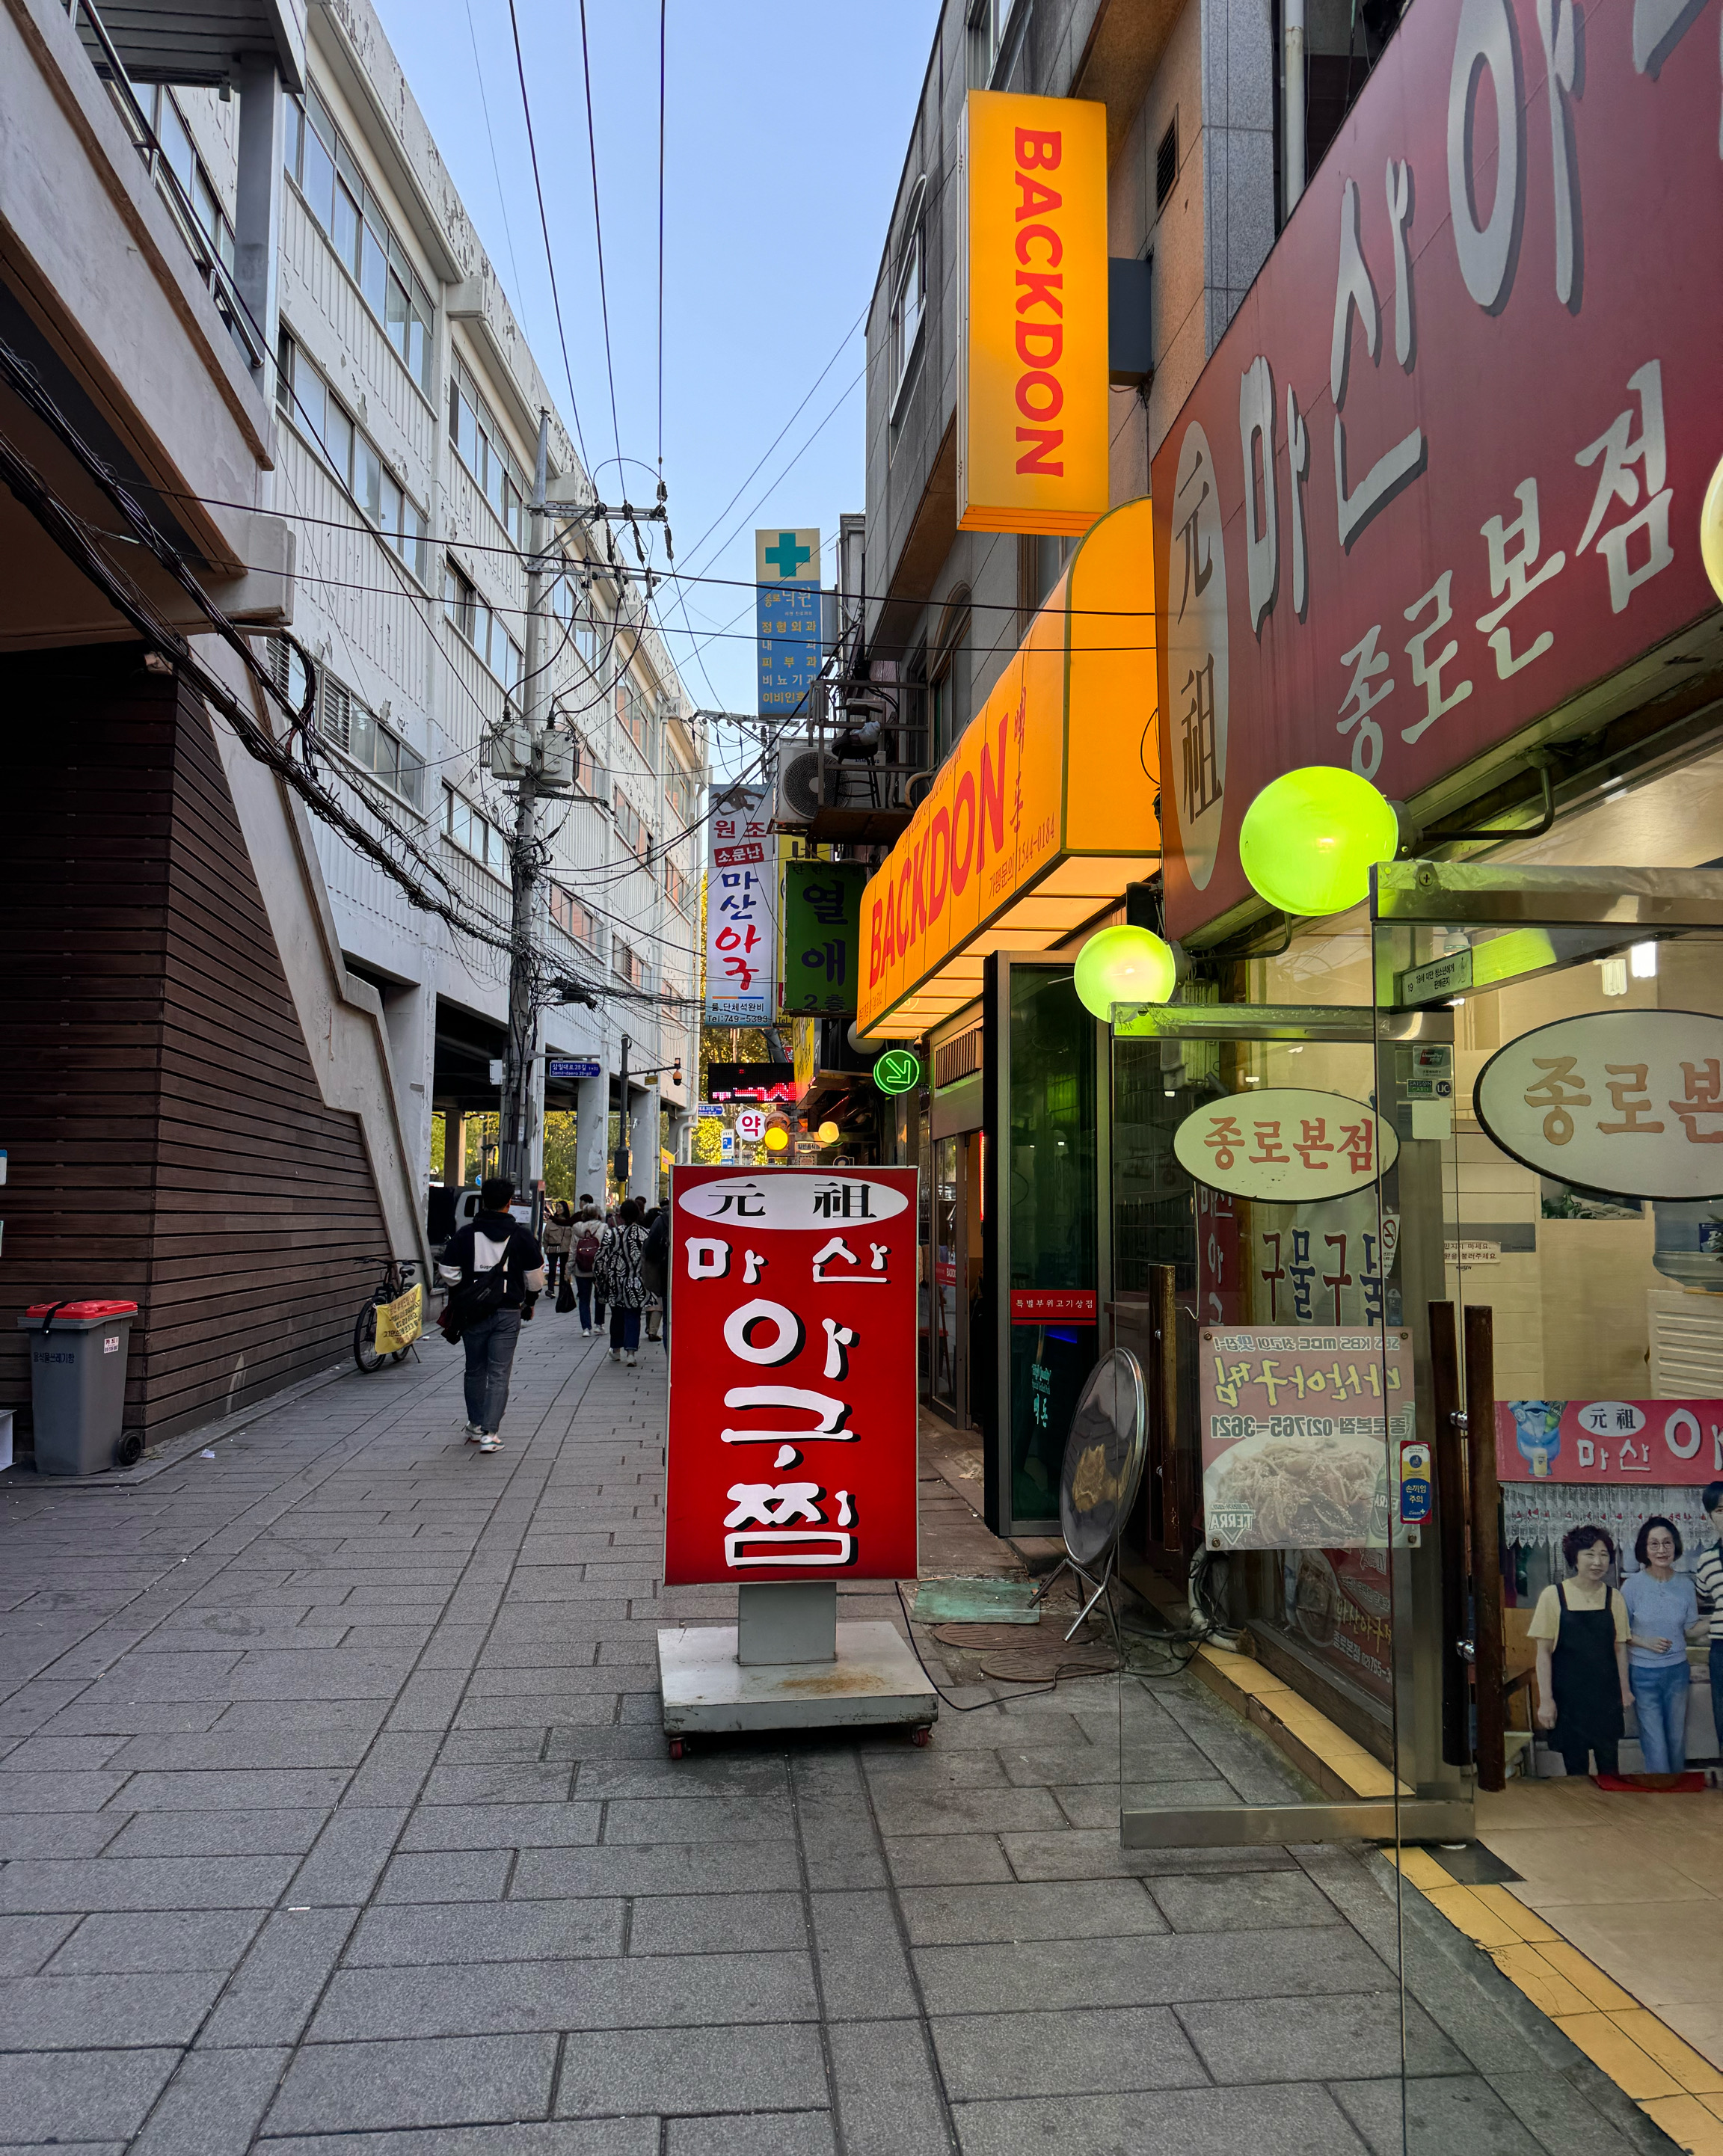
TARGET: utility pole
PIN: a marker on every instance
(518, 1073)
(622, 1161)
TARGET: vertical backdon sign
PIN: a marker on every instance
(1032, 321)
(792, 1376)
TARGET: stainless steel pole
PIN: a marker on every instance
(1292, 128)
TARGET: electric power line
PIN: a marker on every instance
(545, 227)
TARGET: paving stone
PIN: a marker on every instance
(407, 1936)
(80, 2013)
(865, 1972)
(219, 1833)
(1077, 2052)
(1099, 1908)
(27, 1942)
(717, 1923)
(67, 1790)
(753, 1819)
(665, 1869)
(349, 1858)
(1261, 1901)
(537, 1782)
(501, 1826)
(772, 2133)
(57, 1755)
(643, 1992)
(463, 1875)
(1096, 1854)
(146, 1882)
(1296, 2121)
(691, 2071)
(887, 2095)
(137, 1942)
(965, 1811)
(1145, 1971)
(923, 1859)
(420, 2083)
(212, 2105)
(1460, 2112)
(1315, 2039)
(270, 2000)
(286, 1790)
(78, 2096)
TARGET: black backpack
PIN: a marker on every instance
(480, 1298)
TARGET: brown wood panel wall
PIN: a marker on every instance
(167, 1138)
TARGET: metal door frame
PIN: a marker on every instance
(996, 1229)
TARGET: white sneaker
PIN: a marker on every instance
(631, 1358)
(586, 1332)
(475, 1432)
(491, 1445)
(616, 1354)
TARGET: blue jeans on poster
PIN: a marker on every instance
(491, 1353)
(1660, 1704)
(1717, 1690)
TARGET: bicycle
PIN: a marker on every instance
(397, 1278)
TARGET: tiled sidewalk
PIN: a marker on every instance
(336, 1817)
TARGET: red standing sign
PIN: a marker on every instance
(793, 1375)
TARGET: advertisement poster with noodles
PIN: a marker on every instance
(1298, 1427)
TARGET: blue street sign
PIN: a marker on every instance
(582, 1070)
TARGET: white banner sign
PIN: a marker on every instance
(1626, 1101)
(741, 909)
(1286, 1143)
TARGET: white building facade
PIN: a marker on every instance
(407, 404)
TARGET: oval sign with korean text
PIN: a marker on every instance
(1625, 1102)
(793, 1201)
(1287, 1144)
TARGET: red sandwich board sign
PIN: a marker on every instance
(792, 1450)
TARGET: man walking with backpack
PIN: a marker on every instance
(588, 1234)
(497, 1272)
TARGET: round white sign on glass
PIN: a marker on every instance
(1627, 1102)
(1288, 1144)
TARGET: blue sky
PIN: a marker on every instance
(785, 137)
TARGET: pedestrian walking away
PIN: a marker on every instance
(588, 1236)
(655, 1273)
(558, 1240)
(496, 1270)
(619, 1257)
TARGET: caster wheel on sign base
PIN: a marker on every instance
(921, 1736)
(675, 1747)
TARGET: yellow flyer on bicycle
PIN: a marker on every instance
(400, 1322)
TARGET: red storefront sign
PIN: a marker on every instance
(792, 1450)
(1443, 471)
(1053, 1305)
(1614, 1441)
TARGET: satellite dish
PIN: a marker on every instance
(1102, 1472)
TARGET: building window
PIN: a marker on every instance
(478, 443)
(304, 396)
(679, 884)
(635, 714)
(631, 826)
(987, 30)
(573, 918)
(1166, 164)
(478, 622)
(628, 965)
(476, 834)
(324, 169)
(909, 290)
(168, 125)
(354, 729)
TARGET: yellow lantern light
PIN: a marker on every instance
(1124, 965)
(1710, 532)
(777, 1138)
(828, 1133)
(1310, 839)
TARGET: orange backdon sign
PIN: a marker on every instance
(1044, 809)
(1032, 319)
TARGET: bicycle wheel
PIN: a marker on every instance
(365, 1353)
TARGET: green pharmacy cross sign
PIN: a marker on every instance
(898, 1071)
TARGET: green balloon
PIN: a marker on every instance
(1310, 837)
(1124, 965)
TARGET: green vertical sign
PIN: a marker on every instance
(821, 935)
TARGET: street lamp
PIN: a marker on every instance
(1310, 837)
(1125, 965)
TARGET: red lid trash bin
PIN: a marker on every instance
(78, 1352)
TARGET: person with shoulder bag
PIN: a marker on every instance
(497, 1273)
(587, 1232)
(619, 1273)
(558, 1239)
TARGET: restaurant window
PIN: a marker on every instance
(322, 166)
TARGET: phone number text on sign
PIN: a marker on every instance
(793, 1425)
(1295, 1427)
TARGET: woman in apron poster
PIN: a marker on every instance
(1581, 1629)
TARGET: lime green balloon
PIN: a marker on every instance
(1124, 965)
(1310, 837)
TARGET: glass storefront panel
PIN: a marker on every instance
(943, 1376)
(1048, 1180)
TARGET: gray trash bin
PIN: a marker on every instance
(78, 1382)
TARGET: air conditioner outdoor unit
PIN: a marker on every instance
(799, 771)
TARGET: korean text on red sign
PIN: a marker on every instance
(792, 1376)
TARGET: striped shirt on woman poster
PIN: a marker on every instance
(1708, 1578)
